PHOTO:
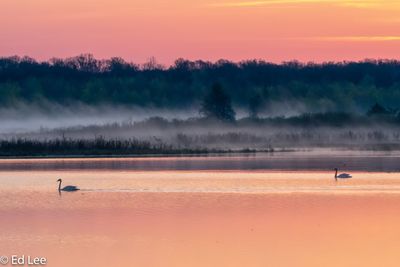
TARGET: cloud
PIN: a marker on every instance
(378, 38)
(345, 3)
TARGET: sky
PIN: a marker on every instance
(273, 30)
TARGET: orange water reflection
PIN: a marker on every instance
(191, 218)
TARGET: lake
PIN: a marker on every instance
(281, 209)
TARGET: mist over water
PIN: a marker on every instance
(23, 118)
(184, 129)
(31, 117)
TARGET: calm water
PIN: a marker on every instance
(267, 210)
(311, 160)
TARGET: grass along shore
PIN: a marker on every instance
(100, 147)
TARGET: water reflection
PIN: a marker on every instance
(311, 160)
(180, 212)
(196, 229)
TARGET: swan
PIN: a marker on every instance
(342, 175)
(68, 188)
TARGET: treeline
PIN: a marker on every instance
(345, 86)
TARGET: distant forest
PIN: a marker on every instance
(251, 85)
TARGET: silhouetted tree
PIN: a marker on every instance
(255, 104)
(343, 86)
(217, 104)
(152, 64)
(378, 110)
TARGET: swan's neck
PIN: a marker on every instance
(59, 186)
(336, 173)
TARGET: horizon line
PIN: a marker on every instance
(153, 60)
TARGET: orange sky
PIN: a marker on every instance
(275, 30)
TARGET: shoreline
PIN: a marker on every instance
(284, 161)
(200, 153)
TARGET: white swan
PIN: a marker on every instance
(68, 188)
(342, 175)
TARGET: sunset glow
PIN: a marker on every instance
(274, 30)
